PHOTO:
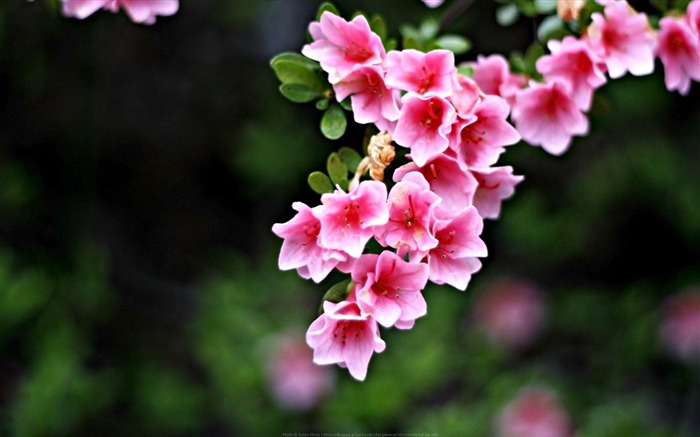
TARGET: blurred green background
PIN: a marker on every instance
(141, 169)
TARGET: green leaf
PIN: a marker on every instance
(533, 53)
(465, 69)
(337, 169)
(333, 123)
(350, 157)
(455, 43)
(378, 26)
(507, 15)
(337, 293)
(410, 43)
(294, 73)
(346, 104)
(322, 104)
(545, 6)
(299, 93)
(326, 6)
(297, 59)
(320, 182)
(429, 28)
(550, 27)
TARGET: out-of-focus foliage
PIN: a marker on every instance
(141, 169)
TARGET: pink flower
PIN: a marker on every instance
(411, 211)
(466, 97)
(679, 50)
(348, 219)
(139, 11)
(493, 76)
(495, 185)
(424, 126)
(573, 63)
(481, 142)
(389, 289)
(546, 115)
(448, 180)
(511, 313)
(680, 325)
(455, 258)
(623, 39)
(295, 382)
(427, 74)
(343, 335)
(340, 46)
(535, 412)
(433, 3)
(692, 14)
(372, 101)
(300, 249)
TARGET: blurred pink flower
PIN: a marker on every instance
(295, 382)
(693, 16)
(345, 336)
(139, 11)
(433, 3)
(623, 39)
(495, 185)
(389, 288)
(575, 65)
(535, 412)
(340, 46)
(680, 325)
(493, 76)
(511, 313)
(546, 115)
(679, 51)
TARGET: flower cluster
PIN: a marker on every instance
(428, 224)
(139, 11)
(619, 40)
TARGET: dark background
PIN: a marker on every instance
(142, 167)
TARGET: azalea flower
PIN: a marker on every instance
(679, 51)
(680, 325)
(534, 412)
(139, 11)
(495, 185)
(427, 74)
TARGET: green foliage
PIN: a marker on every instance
(320, 182)
(333, 122)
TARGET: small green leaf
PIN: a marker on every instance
(322, 104)
(337, 169)
(455, 43)
(533, 53)
(378, 26)
(326, 6)
(337, 293)
(293, 73)
(346, 104)
(545, 6)
(333, 123)
(320, 182)
(299, 93)
(507, 15)
(527, 8)
(410, 43)
(465, 69)
(390, 44)
(350, 157)
(297, 59)
(549, 28)
(429, 28)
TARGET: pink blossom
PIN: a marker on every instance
(535, 412)
(623, 39)
(493, 76)
(573, 63)
(455, 258)
(389, 288)
(511, 313)
(448, 180)
(680, 325)
(343, 335)
(411, 211)
(692, 14)
(546, 115)
(139, 11)
(433, 3)
(424, 126)
(679, 50)
(300, 249)
(495, 185)
(481, 142)
(465, 98)
(340, 46)
(372, 101)
(347, 219)
(295, 382)
(427, 74)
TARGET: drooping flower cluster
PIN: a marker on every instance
(139, 11)
(620, 40)
(428, 223)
